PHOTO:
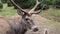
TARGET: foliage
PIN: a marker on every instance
(1, 5)
(30, 3)
(25, 3)
(45, 6)
(9, 4)
(4, 1)
(57, 3)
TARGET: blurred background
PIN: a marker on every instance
(50, 15)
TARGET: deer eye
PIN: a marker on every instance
(27, 19)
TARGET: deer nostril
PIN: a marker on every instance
(35, 29)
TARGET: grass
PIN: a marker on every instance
(53, 14)
(7, 11)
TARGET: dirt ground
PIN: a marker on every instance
(43, 25)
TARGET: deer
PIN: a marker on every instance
(21, 24)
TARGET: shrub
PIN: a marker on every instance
(25, 3)
(1, 5)
(9, 4)
(4, 1)
(45, 6)
(30, 4)
(57, 3)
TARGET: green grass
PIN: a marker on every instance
(7, 11)
(53, 14)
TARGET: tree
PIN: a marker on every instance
(4, 1)
(1, 5)
(57, 3)
(25, 3)
(30, 3)
(9, 4)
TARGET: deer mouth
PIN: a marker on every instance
(35, 29)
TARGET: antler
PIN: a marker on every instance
(33, 9)
(18, 7)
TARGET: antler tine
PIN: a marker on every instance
(37, 2)
(38, 11)
(18, 7)
(33, 9)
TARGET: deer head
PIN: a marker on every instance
(26, 16)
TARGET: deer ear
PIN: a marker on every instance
(20, 12)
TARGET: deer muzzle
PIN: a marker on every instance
(35, 28)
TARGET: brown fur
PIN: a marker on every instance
(6, 27)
